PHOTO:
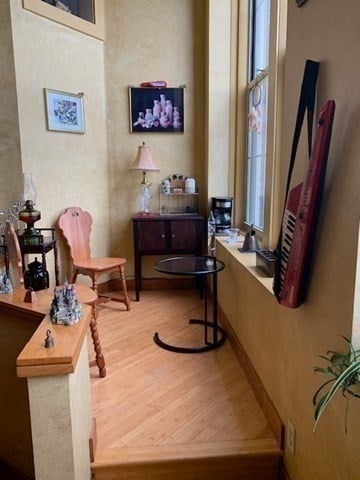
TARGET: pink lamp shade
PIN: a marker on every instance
(144, 163)
(143, 160)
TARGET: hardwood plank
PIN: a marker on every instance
(238, 460)
(179, 413)
(181, 452)
(218, 461)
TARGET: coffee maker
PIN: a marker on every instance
(222, 209)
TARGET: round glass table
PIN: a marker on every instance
(198, 267)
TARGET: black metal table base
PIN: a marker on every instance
(198, 267)
(219, 337)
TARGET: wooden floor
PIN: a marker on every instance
(155, 406)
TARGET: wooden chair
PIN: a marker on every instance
(13, 265)
(75, 224)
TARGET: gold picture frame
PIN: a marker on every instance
(64, 111)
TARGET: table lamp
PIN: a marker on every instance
(144, 162)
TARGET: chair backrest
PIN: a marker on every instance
(75, 225)
(15, 260)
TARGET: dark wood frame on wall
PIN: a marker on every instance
(142, 102)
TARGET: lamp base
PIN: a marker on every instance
(145, 199)
(29, 216)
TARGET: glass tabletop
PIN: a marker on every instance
(189, 265)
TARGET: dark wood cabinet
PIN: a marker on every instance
(166, 235)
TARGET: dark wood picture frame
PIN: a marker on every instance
(158, 110)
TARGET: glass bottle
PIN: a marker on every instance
(211, 227)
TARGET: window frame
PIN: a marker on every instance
(277, 44)
(57, 15)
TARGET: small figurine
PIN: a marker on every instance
(169, 110)
(165, 186)
(5, 284)
(177, 119)
(141, 120)
(162, 102)
(65, 307)
(156, 109)
(164, 120)
(49, 341)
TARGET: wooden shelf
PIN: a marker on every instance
(35, 360)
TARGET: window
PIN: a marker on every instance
(258, 60)
(261, 85)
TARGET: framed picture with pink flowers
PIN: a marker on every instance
(156, 110)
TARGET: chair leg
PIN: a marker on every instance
(95, 288)
(124, 287)
(94, 285)
(99, 357)
(74, 276)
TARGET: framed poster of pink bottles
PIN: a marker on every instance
(156, 110)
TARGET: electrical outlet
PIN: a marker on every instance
(290, 436)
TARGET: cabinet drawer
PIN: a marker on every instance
(151, 236)
(184, 235)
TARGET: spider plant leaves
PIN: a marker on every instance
(320, 389)
(325, 358)
(344, 370)
(343, 381)
(327, 371)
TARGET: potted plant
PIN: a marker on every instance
(344, 373)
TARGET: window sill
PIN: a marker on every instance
(247, 260)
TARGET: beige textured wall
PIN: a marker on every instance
(218, 114)
(68, 169)
(152, 40)
(9, 129)
(61, 423)
(168, 42)
(284, 344)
